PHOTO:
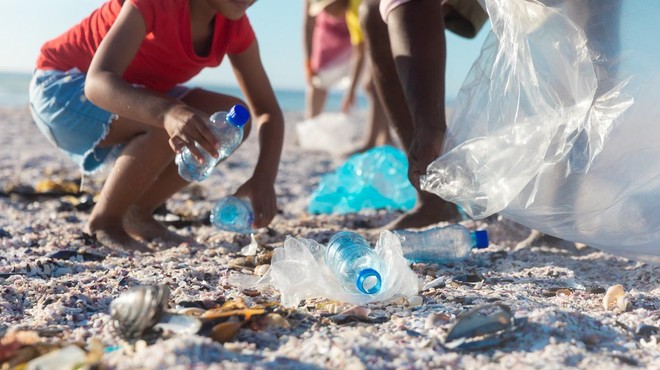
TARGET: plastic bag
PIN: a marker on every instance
(375, 179)
(556, 126)
(298, 271)
(331, 132)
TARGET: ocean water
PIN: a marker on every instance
(14, 93)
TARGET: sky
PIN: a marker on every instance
(26, 24)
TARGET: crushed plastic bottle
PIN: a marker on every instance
(375, 179)
(233, 214)
(440, 244)
(357, 265)
(228, 129)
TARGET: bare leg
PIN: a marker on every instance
(315, 100)
(146, 167)
(388, 78)
(378, 131)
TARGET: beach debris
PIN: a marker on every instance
(616, 298)
(482, 327)
(43, 268)
(436, 319)
(43, 188)
(648, 336)
(415, 301)
(472, 279)
(76, 255)
(69, 357)
(557, 292)
(357, 314)
(4, 233)
(435, 283)
(178, 324)
(138, 310)
(250, 249)
(84, 202)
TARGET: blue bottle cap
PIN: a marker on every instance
(480, 239)
(238, 115)
(372, 279)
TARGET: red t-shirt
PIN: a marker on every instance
(165, 58)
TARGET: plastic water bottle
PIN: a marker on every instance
(440, 244)
(356, 264)
(228, 129)
(233, 214)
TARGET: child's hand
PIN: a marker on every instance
(263, 199)
(187, 126)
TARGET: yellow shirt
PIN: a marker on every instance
(353, 22)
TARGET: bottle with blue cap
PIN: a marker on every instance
(440, 244)
(355, 263)
(233, 214)
(228, 129)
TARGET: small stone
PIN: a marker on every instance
(612, 295)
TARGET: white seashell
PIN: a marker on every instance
(261, 269)
(623, 304)
(612, 295)
(415, 301)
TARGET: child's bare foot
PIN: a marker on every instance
(145, 227)
(429, 211)
(115, 237)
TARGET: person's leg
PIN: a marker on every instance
(430, 209)
(378, 128)
(146, 167)
(315, 101)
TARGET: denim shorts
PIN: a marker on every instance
(70, 121)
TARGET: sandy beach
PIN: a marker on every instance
(554, 289)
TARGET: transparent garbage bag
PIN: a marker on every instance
(298, 271)
(556, 125)
(331, 132)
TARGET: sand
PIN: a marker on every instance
(67, 301)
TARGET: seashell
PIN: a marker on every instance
(64, 358)
(226, 331)
(482, 327)
(138, 310)
(261, 270)
(415, 301)
(435, 319)
(439, 282)
(612, 295)
(179, 324)
(623, 304)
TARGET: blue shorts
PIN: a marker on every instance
(70, 121)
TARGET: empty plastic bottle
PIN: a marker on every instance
(440, 244)
(228, 129)
(356, 264)
(233, 214)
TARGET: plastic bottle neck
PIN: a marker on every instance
(369, 281)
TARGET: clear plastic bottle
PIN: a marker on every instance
(228, 128)
(356, 264)
(233, 214)
(440, 244)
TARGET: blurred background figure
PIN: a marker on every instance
(327, 63)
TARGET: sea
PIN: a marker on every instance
(14, 93)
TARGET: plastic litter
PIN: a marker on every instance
(233, 214)
(228, 128)
(556, 124)
(330, 132)
(375, 179)
(441, 244)
(354, 263)
(299, 271)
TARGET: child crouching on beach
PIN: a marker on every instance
(111, 86)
